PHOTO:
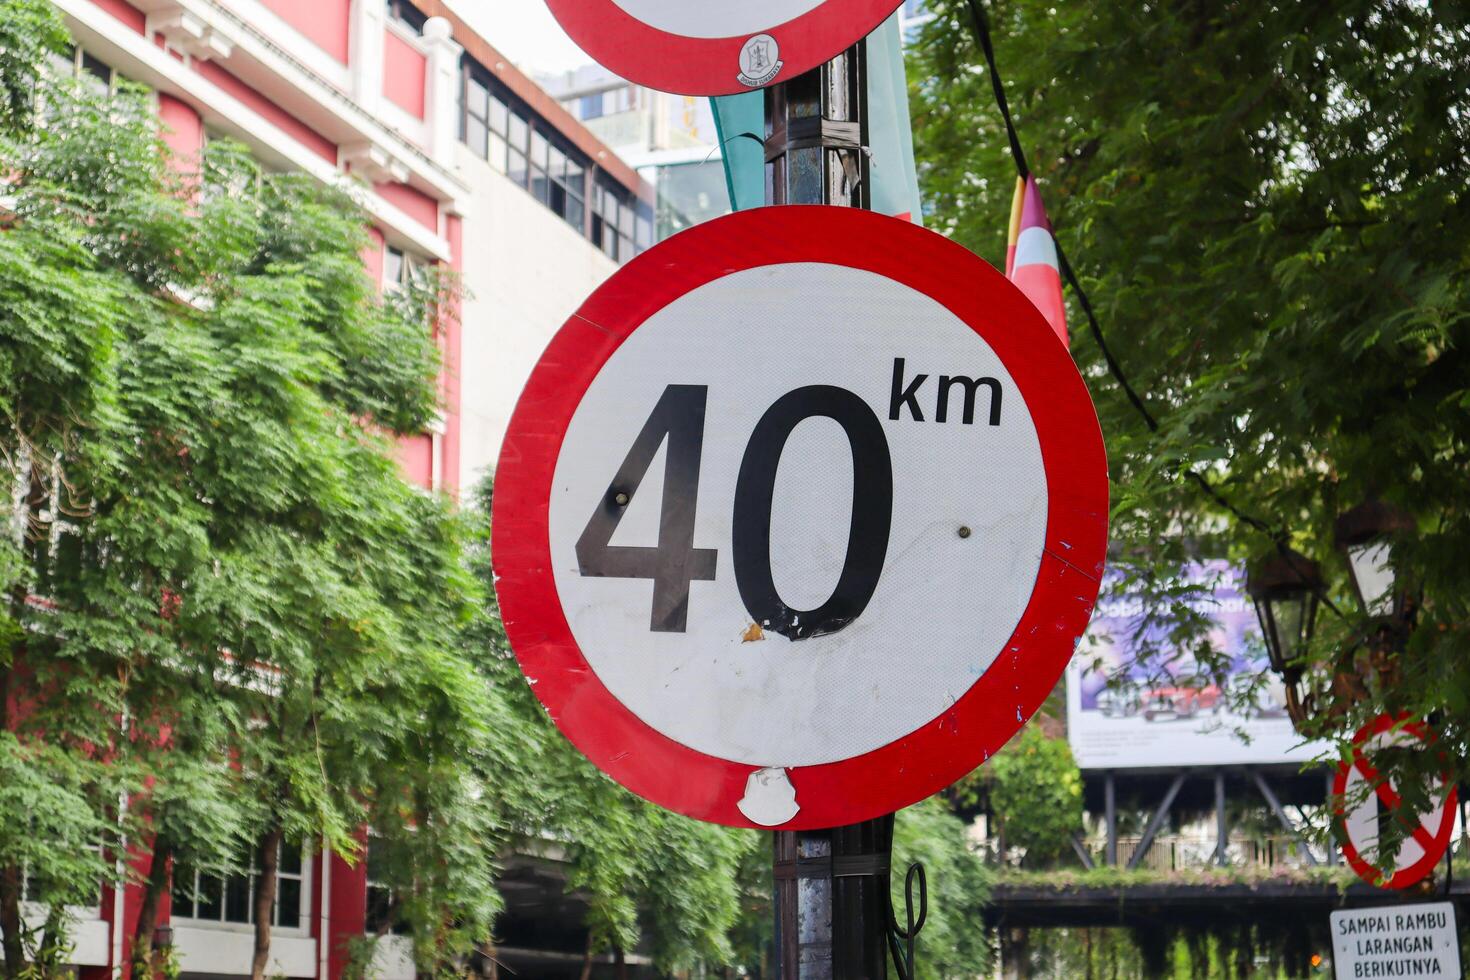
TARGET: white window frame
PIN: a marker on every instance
(301, 930)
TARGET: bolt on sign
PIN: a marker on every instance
(1411, 942)
(1364, 803)
(715, 47)
(799, 518)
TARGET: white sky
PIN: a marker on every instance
(524, 31)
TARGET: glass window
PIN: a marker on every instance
(590, 107)
(689, 193)
(517, 135)
(210, 896)
(394, 264)
(497, 151)
(379, 894)
(237, 898)
(516, 166)
(477, 135)
(499, 115)
(95, 72)
(477, 99)
(406, 14)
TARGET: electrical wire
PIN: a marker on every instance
(1279, 537)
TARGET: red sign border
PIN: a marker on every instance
(1061, 604)
(645, 55)
(1419, 870)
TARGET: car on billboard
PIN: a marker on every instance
(1120, 699)
(1181, 702)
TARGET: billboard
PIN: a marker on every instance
(1164, 713)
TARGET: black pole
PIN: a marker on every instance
(830, 903)
(1222, 823)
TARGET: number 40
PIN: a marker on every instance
(675, 561)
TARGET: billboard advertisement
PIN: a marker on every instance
(1163, 713)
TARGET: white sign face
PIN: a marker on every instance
(962, 451)
(1412, 942)
(1368, 806)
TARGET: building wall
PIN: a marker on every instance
(527, 276)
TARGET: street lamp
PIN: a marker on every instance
(1365, 535)
(1285, 589)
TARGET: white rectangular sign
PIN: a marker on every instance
(1122, 714)
(1413, 942)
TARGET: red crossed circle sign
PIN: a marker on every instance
(1358, 827)
(716, 47)
(799, 518)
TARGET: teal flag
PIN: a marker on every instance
(740, 123)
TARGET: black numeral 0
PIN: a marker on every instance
(675, 562)
(872, 512)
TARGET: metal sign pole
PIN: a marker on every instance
(830, 904)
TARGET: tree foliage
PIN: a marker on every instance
(223, 601)
(1034, 791)
(1267, 205)
(954, 941)
(643, 871)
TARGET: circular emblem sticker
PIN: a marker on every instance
(799, 518)
(760, 61)
(715, 47)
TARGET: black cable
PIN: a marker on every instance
(982, 34)
(982, 29)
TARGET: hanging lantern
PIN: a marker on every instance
(1285, 589)
(1365, 535)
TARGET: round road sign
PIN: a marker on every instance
(799, 518)
(1358, 828)
(715, 47)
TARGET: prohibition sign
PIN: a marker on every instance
(716, 47)
(799, 518)
(1358, 829)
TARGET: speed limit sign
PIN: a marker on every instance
(799, 518)
(715, 47)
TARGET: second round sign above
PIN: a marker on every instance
(716, 47)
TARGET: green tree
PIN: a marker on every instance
(1267, 205)
(954, 942)
(1034, 790)
(644, 872)
(223, 602)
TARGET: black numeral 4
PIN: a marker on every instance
(679, 418)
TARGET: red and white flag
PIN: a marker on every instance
(1031, 256)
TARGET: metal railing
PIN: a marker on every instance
(1181, 853)
(1178, 853)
